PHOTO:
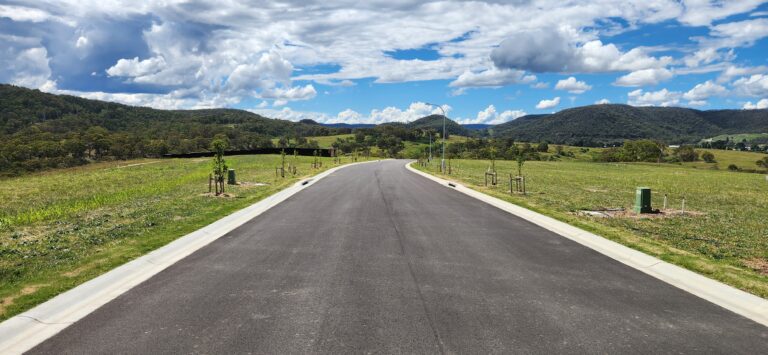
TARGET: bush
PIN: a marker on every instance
(542, 147)
(733, 167)
(763, 163)
(642, 150)
(687, 153)
(708, 157)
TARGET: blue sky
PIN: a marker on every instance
(379, 61)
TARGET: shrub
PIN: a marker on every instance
(733, 167)
(763, 163)
(708, 157)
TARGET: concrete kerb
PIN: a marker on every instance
(728, 297)
(24, 331)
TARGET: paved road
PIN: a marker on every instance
(377, 259)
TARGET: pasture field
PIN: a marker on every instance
(723, 158)
(725, 238)
(63, 227)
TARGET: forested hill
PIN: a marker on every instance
(435, 122)
(598, 124)
(40, 130)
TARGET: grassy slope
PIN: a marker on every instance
(723, 158)
(61, 228)
(728, 243)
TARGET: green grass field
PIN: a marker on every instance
(726, 238)
(63, 227)
(724, 158)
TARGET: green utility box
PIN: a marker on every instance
(231, 177)
(643, 200)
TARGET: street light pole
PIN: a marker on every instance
(430, 146)
(442, 162)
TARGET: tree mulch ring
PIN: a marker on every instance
(625, 213)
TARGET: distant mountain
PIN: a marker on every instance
(596, 124)
(436, 122)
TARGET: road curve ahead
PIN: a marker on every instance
(375, 258)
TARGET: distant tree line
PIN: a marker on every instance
(756, 145)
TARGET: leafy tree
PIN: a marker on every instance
(391, 145)
(218, 146)
(520, 161)
(642, 150)
(543, 147)
(687, 153)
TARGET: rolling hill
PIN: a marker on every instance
(436, 122)
(599, 124)
(40, 130)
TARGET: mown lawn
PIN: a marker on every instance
(727, 240)
(61, 228)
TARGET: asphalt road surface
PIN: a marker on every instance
(376, 259)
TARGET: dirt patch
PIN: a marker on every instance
(758, 264)
(224, 195)
(8, 301)
(75, 272)
(595, 189)
(137, 164)
(624, 213)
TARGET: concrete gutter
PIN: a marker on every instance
(24, 331)
(728, 297)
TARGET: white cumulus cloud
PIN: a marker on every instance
(490, 116)
(755, 85)
(662, 97)
(572, 85)
(701, 92)
(492, 78)
(762, 104)
(644, 77)
(135, 67)
(545, 104)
